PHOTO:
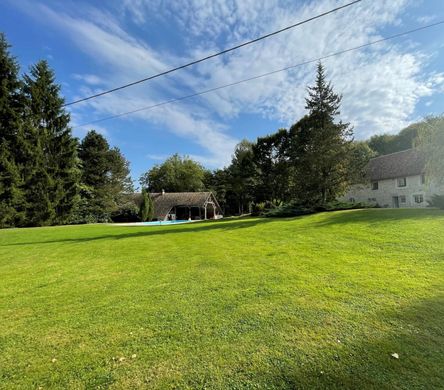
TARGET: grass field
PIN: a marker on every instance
(320, 301)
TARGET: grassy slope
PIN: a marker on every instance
(312, 302)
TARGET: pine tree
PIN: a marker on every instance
(10, 194)
(11, 197)
(150, 208)
(55, 174)
(120, 183)
(106, 180)
(146, 207)
(94, 157)
(320, 147)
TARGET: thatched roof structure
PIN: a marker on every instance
(409, 162)
(197, 205)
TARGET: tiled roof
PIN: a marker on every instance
(401, 164)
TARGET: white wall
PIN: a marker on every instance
(387, 189)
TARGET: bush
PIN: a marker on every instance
(295, 209)
(262, 208)
(288, 210)
(437, 201)
(127, 213)
(258, 208)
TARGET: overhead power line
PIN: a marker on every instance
(263, 74)
(211, 55)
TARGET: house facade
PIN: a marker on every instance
(395, 180)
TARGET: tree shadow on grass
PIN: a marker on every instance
(416, 335)
(150, 231)
(378, 216)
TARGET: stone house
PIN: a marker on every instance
(395, 180)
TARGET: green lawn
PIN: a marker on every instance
(320, 301)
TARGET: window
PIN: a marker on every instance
(375, 185)
(402, 199)
(418, 198)
(352, 200)
(422, 179)
(372, 199)
(402, 182)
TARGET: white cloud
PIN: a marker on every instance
(387, 78)
(381, 85)
(425, 19)
(90, 79)
(127, 58)
(157, 157)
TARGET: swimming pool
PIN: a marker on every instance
(157, 223)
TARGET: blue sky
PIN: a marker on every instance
(96, 45)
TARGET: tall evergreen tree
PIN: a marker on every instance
(120, 183)
(94, 157)
(146, 210)
(105, 178)
(320, 146)
(55, 174)
(11, 196)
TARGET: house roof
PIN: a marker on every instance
(163, 203)
(401, 164)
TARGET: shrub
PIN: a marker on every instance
(288, 210)
(258, 208)
(262, 208)
(295, 209)
(437, 201)
(126, 213)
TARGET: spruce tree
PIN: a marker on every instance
(150, 208)
(120, 183)
(320, 146)
(54, 178)
(146, 209)
(94, 156)
(11, 197)
(10, 194)
(106, 180)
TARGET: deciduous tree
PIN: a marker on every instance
(176, 174)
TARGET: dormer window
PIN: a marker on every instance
(375, 185)
(402, 182)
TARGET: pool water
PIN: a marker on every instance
(157, 223)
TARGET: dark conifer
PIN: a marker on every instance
(54, 173)
(11, 196)
(320, 147)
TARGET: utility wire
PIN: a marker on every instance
(263, 75)
(212, 55)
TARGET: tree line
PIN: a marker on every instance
(306, 166)
(47, 176)
(310, 164)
